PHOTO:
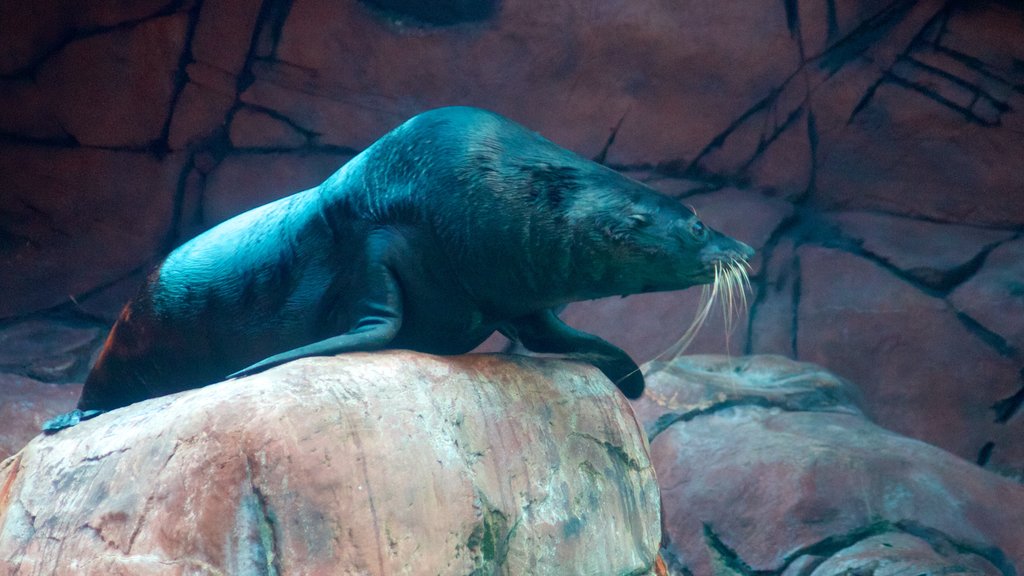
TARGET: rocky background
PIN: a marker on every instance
(872, 151)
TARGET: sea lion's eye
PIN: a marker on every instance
(699, 231)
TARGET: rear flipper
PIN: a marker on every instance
(545, 332)
(69, 419)
(380, 317)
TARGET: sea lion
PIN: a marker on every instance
(455, 224)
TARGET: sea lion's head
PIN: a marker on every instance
(646, 242)
(642, 241)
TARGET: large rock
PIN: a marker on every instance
(388, 463)
(768, 467)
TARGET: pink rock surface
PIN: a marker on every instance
(48, 350)
(27, 403)
(765, 468)
(361, 464)
(863, 323)
(243, 181)
(78, 218)
(569, 71)
(995, 295)
(31, 30)
(935, 254)
(123, 98)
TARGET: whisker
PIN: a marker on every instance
(729, 288)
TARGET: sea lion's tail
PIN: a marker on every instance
(68, 419)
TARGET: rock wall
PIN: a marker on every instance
(870, 149)
(768, 466)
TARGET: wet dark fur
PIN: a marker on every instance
(454, 225)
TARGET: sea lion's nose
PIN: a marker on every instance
(745, 252)
(723, 248)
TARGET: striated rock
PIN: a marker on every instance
(766, 466)
(692, 385)
(254, 129)
(33, 30)
(202, 107)
(75, 219)
(937, 255)
(773, 311)
(246, 180)
(894, 553)
(48, 350)
(26, 404)
(360, 464)
(436, 12)
(24, 113)
(924, 372)
(571, 72)
(821, 24)
(115, 89)
(224, 33)
(994, 296)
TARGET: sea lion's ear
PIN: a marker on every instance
(640, 219)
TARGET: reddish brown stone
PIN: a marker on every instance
(932, 253)
(784, 167)
(23, 111)
(896, 553)
(33, 29)
(254, 129)
(906, 153)
(244, 181)
(224, 33)
(766, 481)
(773, 311)
(27, 403)
(47, 350)
(360, 464)
(924, 373)
(682, 389)
(115, 89)
(75, 219)
(572, 75)
(202, 107)
(994, 296)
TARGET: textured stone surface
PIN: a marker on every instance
(27, 403)
(33, 30)
(767, 467)
(995, 295)
(75, 219)
(124, 97)
(244, 181)
(47, 350)
(938, 255)
(360, 464)
(887, 337)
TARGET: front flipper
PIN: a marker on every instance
(380, 317)
(69, 419)
(544, 332)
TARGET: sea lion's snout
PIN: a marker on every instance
(725, 250)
